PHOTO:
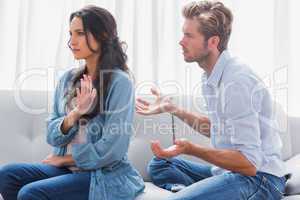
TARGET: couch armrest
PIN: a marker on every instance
(293, 184)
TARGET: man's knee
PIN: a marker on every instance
(156, 164)
(159, 168)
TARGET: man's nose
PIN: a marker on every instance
(180, 42)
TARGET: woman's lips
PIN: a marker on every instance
(75, 50)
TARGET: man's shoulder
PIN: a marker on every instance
(237, 72)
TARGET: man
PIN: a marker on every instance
(245, 153)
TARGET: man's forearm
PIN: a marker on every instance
(200, 123)
(227, 159)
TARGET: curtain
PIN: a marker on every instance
(35, 33)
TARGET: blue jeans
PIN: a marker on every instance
(201, 184)
(41, 181)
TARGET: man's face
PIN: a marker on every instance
(193, 42)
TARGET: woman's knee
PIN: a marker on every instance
(29, 192)
(7, 176)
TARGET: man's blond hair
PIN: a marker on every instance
(214, 20)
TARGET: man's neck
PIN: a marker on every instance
(209, 64)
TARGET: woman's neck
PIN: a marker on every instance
(91, 65)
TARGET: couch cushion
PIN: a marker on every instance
(294, 127)
(294, 197)
(293, 184)
(153, 192)
(23, 127)
(281, 127)
(146, 128)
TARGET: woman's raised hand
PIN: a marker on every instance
(86, 95)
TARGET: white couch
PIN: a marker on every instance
(23, 137)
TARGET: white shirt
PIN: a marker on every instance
(240, 110)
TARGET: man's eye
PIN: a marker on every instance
(187, 35)
(81, 33)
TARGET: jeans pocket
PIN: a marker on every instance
(273, 188)
(260, 193)
(267, 190)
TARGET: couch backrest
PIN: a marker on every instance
(294, 130)
(23, 134)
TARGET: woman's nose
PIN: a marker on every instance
(73, 41)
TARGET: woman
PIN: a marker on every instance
(90, 125)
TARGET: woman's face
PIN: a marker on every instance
(78, 40)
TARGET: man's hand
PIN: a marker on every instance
(162, 104)
(57, 161)
(181, 146)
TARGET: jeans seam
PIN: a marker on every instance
(255, 192)
(274, 186)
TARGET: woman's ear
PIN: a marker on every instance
(104, 36)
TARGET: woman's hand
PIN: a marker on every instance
(161, 104)
(86, 95)
(181, 146)
(57, 161)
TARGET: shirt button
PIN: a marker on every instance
(215, 128)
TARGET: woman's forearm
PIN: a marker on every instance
(70, 120)
(68, 160)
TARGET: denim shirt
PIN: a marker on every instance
(108, 135)
(239, 107)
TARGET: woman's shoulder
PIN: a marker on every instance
(68, 73)
(121, 77)
(65, 75)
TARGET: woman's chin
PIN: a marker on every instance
(78, 57)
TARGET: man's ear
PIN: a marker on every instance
(213, 42)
